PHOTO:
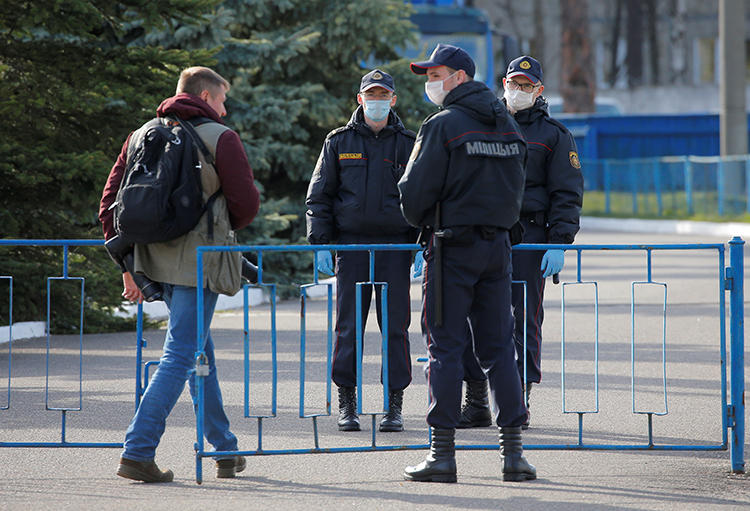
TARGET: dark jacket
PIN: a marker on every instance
(469, 156)
(352, 197)
(232, 167)
(554, 183)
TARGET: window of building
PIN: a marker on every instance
(705, 59)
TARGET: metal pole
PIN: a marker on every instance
(607, 186)
(720, 186)
(688, 166)
(139, 345)
(732, 69)
(737, 354)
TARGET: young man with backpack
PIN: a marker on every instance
(199, 100)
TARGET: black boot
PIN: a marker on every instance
(476, 410)
(393, 421)
(515, 466)
(527, 394)
(348, 420)
(440, 465)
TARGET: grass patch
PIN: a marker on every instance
(670, 205)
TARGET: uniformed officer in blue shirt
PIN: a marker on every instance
(550, 213)
(463, 185)
(353, 198)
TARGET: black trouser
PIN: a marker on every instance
(526, 268)
(476, 284)
(391, 267)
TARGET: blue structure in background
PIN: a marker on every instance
(641, 136)
(712, 185)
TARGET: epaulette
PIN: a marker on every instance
(339, 130)
(409, 133)
(556, 123)
(433, 114)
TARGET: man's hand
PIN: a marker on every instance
(325, 262)
(418, 264)
(552, 262)
(131, 291)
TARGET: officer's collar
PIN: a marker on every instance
(539, 108)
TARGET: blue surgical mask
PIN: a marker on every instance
(377, 109)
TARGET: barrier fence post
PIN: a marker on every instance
(737, 354)
(688, 168)
(607, 186)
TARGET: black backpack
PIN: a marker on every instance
(160, 196)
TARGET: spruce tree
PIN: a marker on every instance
(295, 68)
(74, 84)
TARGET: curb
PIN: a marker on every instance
(665, 226)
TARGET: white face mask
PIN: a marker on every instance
(518, 99)
(435, 91)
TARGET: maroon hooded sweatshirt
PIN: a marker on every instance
(232, 167)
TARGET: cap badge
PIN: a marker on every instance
(525, 64)
(377, 76)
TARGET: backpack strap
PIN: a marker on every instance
(188, 127)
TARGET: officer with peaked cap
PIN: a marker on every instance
(550, 213)
(352, 198)
(463, 185)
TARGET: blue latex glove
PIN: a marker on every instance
(418, 263)
(552, 262)
(325, 262)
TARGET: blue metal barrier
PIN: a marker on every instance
(735, 276)
(732, 416)
(10, 336)
(729, 279)
(65, 244)
(201, 368)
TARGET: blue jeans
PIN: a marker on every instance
(168, 381)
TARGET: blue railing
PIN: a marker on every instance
(732, 415)
(65, 277)
(673, 185)
(730, 278)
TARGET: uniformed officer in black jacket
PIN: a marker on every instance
(550, 214)
(353, 198)
(464, 185)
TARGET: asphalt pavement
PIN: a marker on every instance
(598, 377)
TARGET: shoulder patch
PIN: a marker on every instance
(574, 161)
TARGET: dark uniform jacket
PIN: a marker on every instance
(554, 183)
(353, 197)
(469, 156)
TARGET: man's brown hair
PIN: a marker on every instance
(196, 79)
